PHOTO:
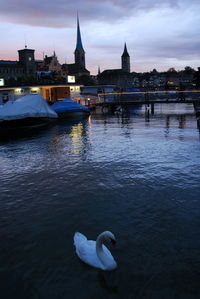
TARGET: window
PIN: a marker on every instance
(35, 90)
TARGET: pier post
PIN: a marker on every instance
(152, 109)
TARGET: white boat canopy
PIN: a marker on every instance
(27, 106)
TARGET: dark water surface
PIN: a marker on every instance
(137, 176)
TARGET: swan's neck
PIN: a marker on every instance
(99, 249)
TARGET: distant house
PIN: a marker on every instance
(187, 78)
(50, 64)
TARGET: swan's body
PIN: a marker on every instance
(94, 253)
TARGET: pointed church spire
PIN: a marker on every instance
(125, 60)
(125, 53)
(79, 51)
(79, 45)
(99, 71)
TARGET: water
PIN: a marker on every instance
(137, 176)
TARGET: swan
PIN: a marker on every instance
(94, 253)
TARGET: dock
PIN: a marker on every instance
(125, 99)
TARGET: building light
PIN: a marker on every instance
(71, 79)
(75, 88)
(35, 90)
(1, 81)
(18, 91)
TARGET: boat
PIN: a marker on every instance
(27, 112)
(67, 109)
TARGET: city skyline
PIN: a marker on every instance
(158, 35)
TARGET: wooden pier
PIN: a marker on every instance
(125, 99)
(149, 97)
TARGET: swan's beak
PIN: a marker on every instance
(113, 243)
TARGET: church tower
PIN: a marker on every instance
(125, 60)
(27, 58)
(79, 51)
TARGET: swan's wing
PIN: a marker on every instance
(107, 252)
(78, 238)
(86, 251)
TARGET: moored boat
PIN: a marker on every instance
(28, 112)
(67, 109)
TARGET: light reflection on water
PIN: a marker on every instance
(136, 175)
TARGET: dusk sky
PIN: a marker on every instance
(159, 33)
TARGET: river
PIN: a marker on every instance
(137, 175)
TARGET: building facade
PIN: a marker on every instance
(122, 78)
(50, 93)
(27, 59)
(78, 68)
(25, 67)
(49, 64)
(125, 60)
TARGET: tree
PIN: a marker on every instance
(154, 71)
(188, 70)
(171, 70)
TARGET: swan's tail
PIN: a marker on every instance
(78, 238)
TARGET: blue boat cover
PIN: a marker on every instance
(68, 105)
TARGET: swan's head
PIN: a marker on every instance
(108, 236)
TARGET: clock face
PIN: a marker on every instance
(29, 58)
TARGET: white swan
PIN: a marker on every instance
(94, 253)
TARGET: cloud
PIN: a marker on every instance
(61, 13)
(158, 33)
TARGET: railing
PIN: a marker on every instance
(149, 96)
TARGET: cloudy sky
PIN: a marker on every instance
(159, 33)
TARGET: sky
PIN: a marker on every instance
(159, 34)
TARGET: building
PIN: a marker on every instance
(79, 51)
(25, 67)
(27, 59)
(50, 64)
(11, 69)
(125, 60)
(90, 95)
(49, 70)
(77, 68)
(50, 93)
(122, 78)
